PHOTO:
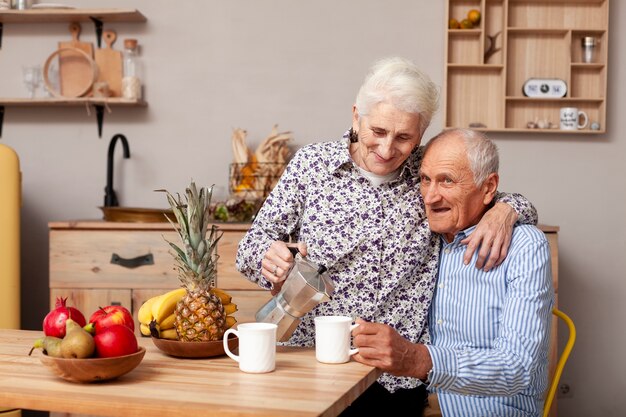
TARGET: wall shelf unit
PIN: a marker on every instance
(71, 102)
(96, 16)
(533, 39)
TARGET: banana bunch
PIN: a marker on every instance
(157, 317)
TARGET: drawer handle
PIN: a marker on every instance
(147, 259)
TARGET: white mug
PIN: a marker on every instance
(257, 347)
(332, 339)
(570, 118)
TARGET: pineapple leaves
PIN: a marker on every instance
(197, 256)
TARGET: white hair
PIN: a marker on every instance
(482, 153)
(398, 81)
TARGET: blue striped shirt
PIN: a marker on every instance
(490, 330)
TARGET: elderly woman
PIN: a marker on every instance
(354, 206)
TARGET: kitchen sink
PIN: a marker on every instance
(136, 214)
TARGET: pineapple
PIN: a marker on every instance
(200, 315)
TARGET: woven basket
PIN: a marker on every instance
(254, 180)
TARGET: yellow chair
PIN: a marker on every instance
(562, 359)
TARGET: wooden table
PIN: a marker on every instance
(163, 385)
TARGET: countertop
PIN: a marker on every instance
(164, 385)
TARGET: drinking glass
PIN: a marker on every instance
(32, 78)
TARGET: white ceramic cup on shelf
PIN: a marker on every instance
(571, 118)
(257, 347)
(333, 339)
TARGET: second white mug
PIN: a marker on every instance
(257, 347)
(570, 118)
(332, 339)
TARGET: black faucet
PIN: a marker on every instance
(110, 199)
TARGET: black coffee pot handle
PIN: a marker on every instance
(294, 251)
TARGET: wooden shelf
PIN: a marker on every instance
(96, 16)
(464, 32)
(550, 131)
(534, 40)
(70, 102)
(70, 15)
(537, 31)
(571, 100)
(486, 67)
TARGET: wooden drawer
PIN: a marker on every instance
(84, 259)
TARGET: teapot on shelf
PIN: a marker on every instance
(306, 286)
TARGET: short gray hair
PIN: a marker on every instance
(482, 153)
(399, 82)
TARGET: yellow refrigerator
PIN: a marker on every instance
(10, 201)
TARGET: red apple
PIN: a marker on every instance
(115, 340)
(110, 315)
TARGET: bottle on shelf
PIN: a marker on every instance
(133, 71)
(588, 44)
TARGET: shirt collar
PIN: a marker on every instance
(342, 156)
(459, 236)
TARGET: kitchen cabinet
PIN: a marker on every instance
(96, 16)
(96, 263)
(533, 39)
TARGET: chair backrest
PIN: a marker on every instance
(562, 359)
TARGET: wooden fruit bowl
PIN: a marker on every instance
(182, 349)
(93, 369)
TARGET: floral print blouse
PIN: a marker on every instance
(375, 241)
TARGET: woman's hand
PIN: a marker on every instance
(493, 234)
(383, 347)
(278, 261)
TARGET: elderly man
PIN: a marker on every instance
(490, 330)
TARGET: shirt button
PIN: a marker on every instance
(447, 250)
(439, 321)
(440, 285)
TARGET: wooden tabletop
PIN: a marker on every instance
(163, 385)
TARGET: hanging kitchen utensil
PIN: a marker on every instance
(110, 64)
(88, 75)
(74, 70)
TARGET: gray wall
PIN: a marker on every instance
(212, 66)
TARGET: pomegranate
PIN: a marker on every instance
(54, 322)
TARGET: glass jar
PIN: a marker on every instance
(588, 45)
(133, 71)
(20, 4)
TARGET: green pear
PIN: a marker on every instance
(77, 342)
(90, 328)
(50, 345)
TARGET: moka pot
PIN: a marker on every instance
(307, 285)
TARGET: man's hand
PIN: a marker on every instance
(277, 261)
(382, 346)
(493, 234)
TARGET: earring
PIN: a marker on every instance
(354, 136)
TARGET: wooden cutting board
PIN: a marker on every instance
(110, 64)
(75, 72)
